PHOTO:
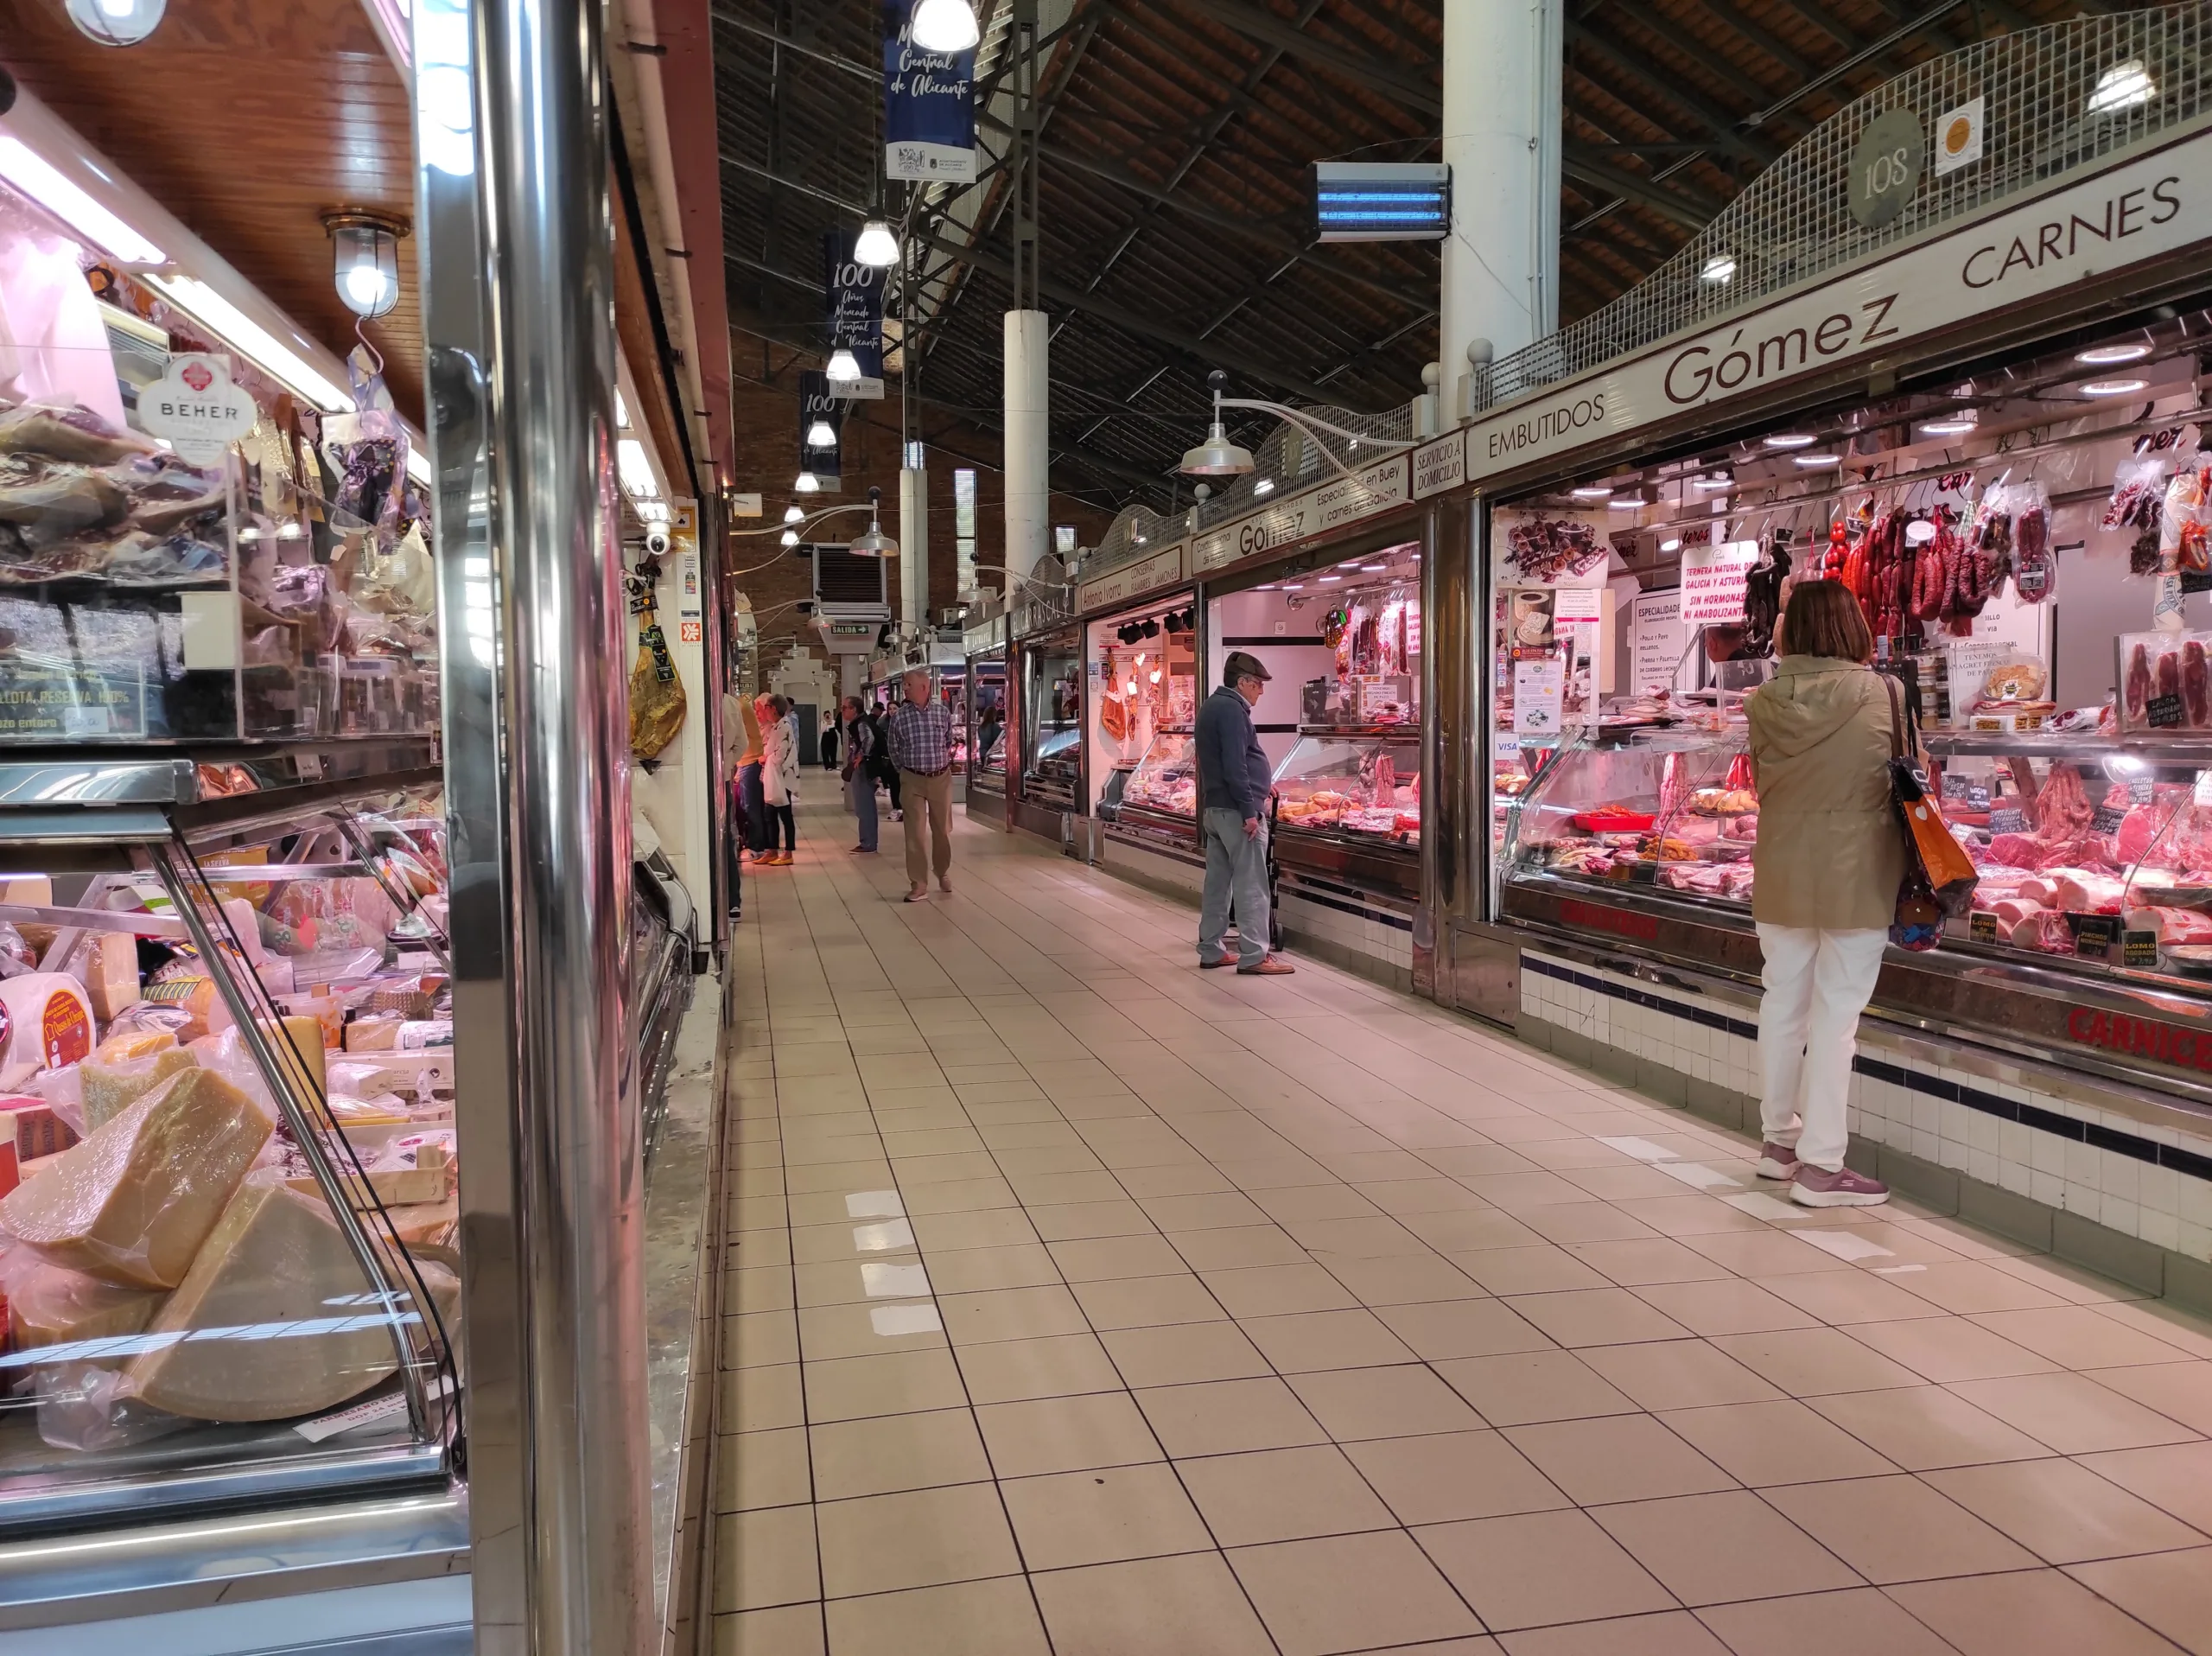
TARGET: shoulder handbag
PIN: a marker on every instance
(1939, 876)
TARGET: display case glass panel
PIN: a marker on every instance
(1166, 779)
(1053, 716)
(986, 726)
(1141, 685)
(1362, 785)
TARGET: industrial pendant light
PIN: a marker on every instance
(808, 483)
(820, 435)
(944, 26)
(1217, 456)
(845, 367)
(876, 543)
(875, 246)
(790, 538)
(792, 514)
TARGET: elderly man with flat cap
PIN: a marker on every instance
(1234, 781)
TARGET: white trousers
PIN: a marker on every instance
(1817, 983)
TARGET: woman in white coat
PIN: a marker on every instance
(779, 780)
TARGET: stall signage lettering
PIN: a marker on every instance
(1260, 531)
(2143, 1037)
(1371, 489)
(1131, 580)
(1716, 580)
(2136, 212)
(1441, 465)
(1368, 490)
(1599, 918)
(194, 406)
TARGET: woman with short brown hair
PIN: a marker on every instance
(1827, 863)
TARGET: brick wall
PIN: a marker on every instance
(767, 421)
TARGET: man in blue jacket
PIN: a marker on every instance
(1234, 781)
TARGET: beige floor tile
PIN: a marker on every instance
(1174, 1179)
(915, 1171)
(2181, 1392)
(1860, 1623)
(1677, 1374)
(2178, 1480)
(1103, 1516)
(996, 1228)
(1471, 1230)
(764, 1558)
(1544, 1270)
(1323, 1339)
(1730, 1306)
(1948, 1348)
(757, 1469)
(1850, 1296)
(2164, 1319)
(1090, 1218)
(1442, 1329)
(761, 1400)
(2072, 1413)
(882, 1544)
(1536, 1569)
(1282, 1495)
(1897, 1529)
(1718, 1549)
(1191, 1605)
(1970, 1286)
(1275, 1290)
(1598, 1316)
(1777, 1441)
(1060, 1366)
(1066, 1434)
(1010, 1314)
(2170, 1591)
(1237, 1247)
(1923, 1428)
(1589, 1224)
(1148, 1302)
(1228, 1418)
(1206, 1213)
(959, 1196)
(1644, 1260)
(1670, 1632)
(1453, 1476)
(869, 1329)
(793, 1630)
(1404, 1279)
(1407, 1400)
(979, 1618)
(971, 1271)
(2028, 1613)
(1431, 1194)
(1617, 1458)
(1764, 1252)
(1111, 1257)
(847, 1282)
(760, 1339)
(906, 1382)
(1680, 1216)
(1347, 1593)
(1313, 1201)
(888, 1453)
(2063, 1512)
(1522, 1387)
(1184, 1352)
(1358, 1239)
(2076, 1337)
(1814, 1362)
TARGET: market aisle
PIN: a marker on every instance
(1089, 1304)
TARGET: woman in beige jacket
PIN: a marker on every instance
(1828, 860)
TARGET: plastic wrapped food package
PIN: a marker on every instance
(124, 1069)
(51, 1305)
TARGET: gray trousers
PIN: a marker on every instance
(1236, 869)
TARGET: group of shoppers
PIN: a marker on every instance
(761, 743)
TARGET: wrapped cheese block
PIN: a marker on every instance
(133, 1202)
(45, 1022)
(125, 1068)
(49, 1305)
(111, 975)
(274, 1262)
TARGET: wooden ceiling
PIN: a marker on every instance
(250, 120)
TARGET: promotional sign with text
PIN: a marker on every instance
(1367, 491)
(929, 106)
(855, 294)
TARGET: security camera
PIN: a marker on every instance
(656, 542)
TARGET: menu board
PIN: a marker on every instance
(1715, 581)
(1657, 640)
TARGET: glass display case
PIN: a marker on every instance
(228, 1206)
(1674, 808)
(1052, 713)
(1156, 801)
(1347, 808)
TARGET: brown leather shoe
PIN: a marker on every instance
(1215, 965)
(1273, 966)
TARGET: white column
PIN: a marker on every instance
(1502, 115)
(1028, 505)
(914, 547)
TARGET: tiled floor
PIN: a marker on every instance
(1087, 1303)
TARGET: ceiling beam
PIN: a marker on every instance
(1691, 213)
(1271, 29)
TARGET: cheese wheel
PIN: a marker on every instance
(46, 1022)
(49, 1305)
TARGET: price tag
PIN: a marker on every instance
(2106, 819)
(2095, 936)
(1954, 786)
(1977, 798)
(2140, 949)
(2203, 788)
(2164, 712)
(1982, 928)
(2144, 792)
(2007, 822)
(1643, 874)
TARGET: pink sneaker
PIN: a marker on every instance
(1818, 1188)
(1777, 1161)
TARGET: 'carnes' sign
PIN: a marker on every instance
(2156, 205)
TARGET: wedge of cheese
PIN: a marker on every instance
(133, 1202)
(122, 1070)
(278, 1314)
(49, 1305)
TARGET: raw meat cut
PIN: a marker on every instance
(2012, 910)
(2138, 682)
(2173, 926)
(2062, 809)
(2196, 684)
(2083, 893)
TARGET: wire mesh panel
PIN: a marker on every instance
(2052, 99)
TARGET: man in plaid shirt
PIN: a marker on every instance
(919, 734)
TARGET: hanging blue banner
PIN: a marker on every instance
(820, 401)
(856, 314)
(929, 105)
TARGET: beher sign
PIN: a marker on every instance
(194, 406)
(2157, 204)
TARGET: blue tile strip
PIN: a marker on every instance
(2192, 1163)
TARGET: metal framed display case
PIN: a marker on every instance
(1158, 798)
(1051, 716)
(1139, 708)
(232, 1259)
(1347, 810)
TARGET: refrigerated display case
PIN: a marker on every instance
(986, 732)
(1347, 805)
(1141, 692)
(1051, 709)
(1159, 800)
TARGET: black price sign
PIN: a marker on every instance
(2164, 712)
(2106, 819)
(2095, 936)
(2007, 822)
(1643, 874)
(1982, 928)
(2140, 949)
(1954, 786)
(2142, 792)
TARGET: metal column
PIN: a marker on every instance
(516, 240)
(1028, 334)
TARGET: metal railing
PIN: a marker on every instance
(2053, 98)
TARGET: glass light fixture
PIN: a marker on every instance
(875, 246)
(807, 484)
(117, 23)
(944, 26)
(1720, 269)
(1624, 503)
(845, 367)
(2123, 86)
(2113, 387)
(820, 435)
(792, 514)
(364, 255)
(1592, 492)
(1789, 440)
(1672, 543)
(1715, 481)
(1951, 425)
(790, 536)
(1813, 462)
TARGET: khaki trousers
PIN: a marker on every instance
(930, 796)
